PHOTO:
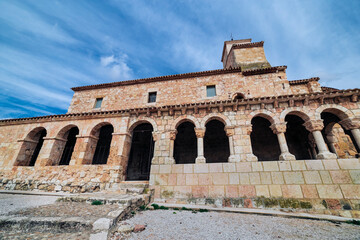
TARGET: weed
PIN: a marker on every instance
(155, 206)
(174, 212)
(203, 210)
(142, 208)
(133, 212)
(96, 202)
(355, 222)
(163, 208)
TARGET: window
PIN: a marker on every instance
(210, 91)
(152, 97)
(98, 103)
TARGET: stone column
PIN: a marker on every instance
(230, 131)
(27, 147)
(315, 127)
(51, 151)
(200, 133)
(353, 125)
(119, 149)
(250, 157)
(331, 140)
(171, 159)
(279, 130)
(84, 150)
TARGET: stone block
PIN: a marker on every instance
(284, 166)
(351, 191)
(243, 167)
(188, 168)
(182, 191)
(247, 191)
(312, 177)
(200, 191)
(298, 165)
(204, 179)
(277, 177)
(154, 169)
(216, 167)
(231, 191)
(201, 168)
(177, 168)
(265, 178)
(181, 179)
(275, 191)
(216, 191)
(270, 166)
(262, 191)
(340, 176)
(165, 169)
(293, 178)
(244, 178)
(349, 163)
(234, 178)
(229, 167)
(192, 179)
(309, 191)
(291, 191)
(257, 167)
(325, 177)
(314, 165)
(102, 224)
(220, 178)
(329, 191)
(172, 179)
(355, 176)
(254, 178)
(330, 164)
(161, 179)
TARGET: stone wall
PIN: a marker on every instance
(321, 186)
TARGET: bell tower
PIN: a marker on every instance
(245, 54)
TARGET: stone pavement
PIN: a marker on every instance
(70, 216)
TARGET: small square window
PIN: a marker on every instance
(210, 91)
(152, 97)
(98, 103)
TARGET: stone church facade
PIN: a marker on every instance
(241, 136)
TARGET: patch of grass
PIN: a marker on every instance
(155, 206)
(355, 222)
(96, 202)
(163, 208)
(305, 205)
(174, 212)
(133, 212)
(176, 208)
(142, 208)
(203, 210)
(185, 209)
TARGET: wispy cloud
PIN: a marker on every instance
(116, 67)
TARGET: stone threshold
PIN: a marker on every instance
(257, 211)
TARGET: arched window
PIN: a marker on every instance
(185, 145)
(264, 142)
(68, 149)
(216, 143)
(239, 96)
(103, 145)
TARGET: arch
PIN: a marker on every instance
(62, 150)
(135, 122)
(31, 147)
(340, 111)
(294, 111)
(95, 130)
(215, 116)
(182, 119)
(216, 142)
(185, 144)
(62, 133)
(103, 143)
(271, 116)
(238, 96)
(264, 115)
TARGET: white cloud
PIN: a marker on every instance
(115, 67)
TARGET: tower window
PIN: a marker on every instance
(98, 103)
(210, 91)
(152, 97)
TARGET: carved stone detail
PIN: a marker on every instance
(278, 128)
(350, 124)
(156, 136)
(314, 125)
(173, 135)
(230, 130)
(200, 132)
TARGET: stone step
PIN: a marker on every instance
(134, 187)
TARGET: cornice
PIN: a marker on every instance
(247, 45)
(304, 81)
(221, 104)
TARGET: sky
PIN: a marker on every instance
(48, 47)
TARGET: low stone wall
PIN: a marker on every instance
(74, 179)
(320, 186)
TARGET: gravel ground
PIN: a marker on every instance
(14, 202)
(164, 224)
(20, 235)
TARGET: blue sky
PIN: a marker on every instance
(47, 47)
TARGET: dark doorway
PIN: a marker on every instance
(69, 146)
(264, 142)
(103, 145)
(141, 153)
(298, 138)
(185, 145)
(40, 137)
(216, 143)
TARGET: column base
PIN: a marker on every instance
(251, 158)
(326, 155)
(169, 160)
(200, 160)
(286, 157)
(234, 158)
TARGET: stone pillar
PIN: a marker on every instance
(200, 133)
(84, 150)
(119, 149)
(315, 127)
(51, 151)
(27, 147)
(171, 159)
(230, 131)
(353, 125)
(331, 140)
(250, 157)
(279, 130)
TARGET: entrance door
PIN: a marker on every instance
(141, 153)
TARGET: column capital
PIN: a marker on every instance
(200, 132)
(248, 129)
(278, 128)
(350, 124)
(230, 130)
(314, 125)
(156, 136)
(173, 134)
